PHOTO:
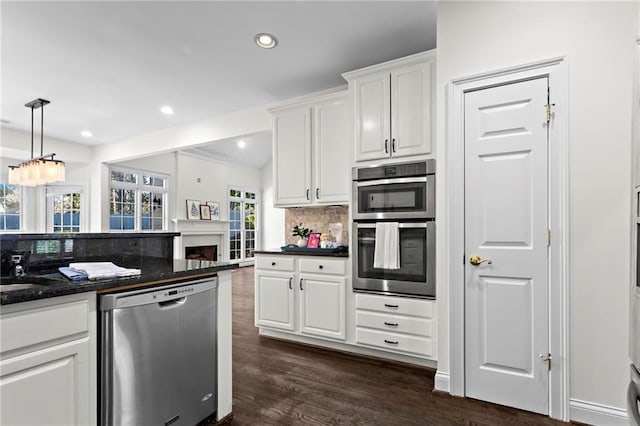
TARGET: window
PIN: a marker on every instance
(137, 201)
(9, 207)
(66, 212)
(242, 224)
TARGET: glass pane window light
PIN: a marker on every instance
(10, 213)
(137, 201)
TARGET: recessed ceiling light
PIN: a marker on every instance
(167, 110)
(86, 134)
(242, 144)
(266, 40)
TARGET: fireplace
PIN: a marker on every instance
(201, 252)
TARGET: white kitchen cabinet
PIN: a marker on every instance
(308, 300)
(274, 300)
(311, 151)
(48, 358)
(393, 107)
(292, 156)
(322, 298)
(396, 324)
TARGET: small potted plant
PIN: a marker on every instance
(302, 233)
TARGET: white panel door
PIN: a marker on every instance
(411, 110)
(506, 222)
(372, 117)
(274, 302)
(332, 163)
(323, 306)
(292, 157)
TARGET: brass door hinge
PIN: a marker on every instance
(549, 105)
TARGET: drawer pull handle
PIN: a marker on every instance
(290, 285)
(390, 306)
(320, 267)
(391, 342)
(273, 263)
(391, 324)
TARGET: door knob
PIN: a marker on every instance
(476, 260)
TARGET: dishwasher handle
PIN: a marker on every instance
(167, 304)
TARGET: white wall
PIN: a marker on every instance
(272, 218)
(215, 179)
(598, 40)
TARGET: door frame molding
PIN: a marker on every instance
(556, 70)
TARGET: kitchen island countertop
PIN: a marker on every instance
(154, 271)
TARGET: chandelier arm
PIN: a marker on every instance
(41, 130)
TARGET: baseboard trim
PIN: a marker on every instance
(441, 381)
(597, 414)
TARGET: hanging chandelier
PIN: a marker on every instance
(38, 170)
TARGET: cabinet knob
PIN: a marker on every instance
(273, 263)
(320, 266)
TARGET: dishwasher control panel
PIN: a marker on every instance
(156, 294)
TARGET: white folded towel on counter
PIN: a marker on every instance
(386, 253)
(103, 270)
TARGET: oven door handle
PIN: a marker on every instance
(419, 179)
(400, 225)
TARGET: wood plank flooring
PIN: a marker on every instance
(281, 383)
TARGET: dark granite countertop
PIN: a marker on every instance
(155, 271)
(310, 252)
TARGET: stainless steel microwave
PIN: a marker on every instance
(403, 191)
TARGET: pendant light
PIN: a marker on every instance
(38, 170)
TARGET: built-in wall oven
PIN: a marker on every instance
(402, 195)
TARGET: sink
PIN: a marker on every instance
(22, 283)
(21, 286)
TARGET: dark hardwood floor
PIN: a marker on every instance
(281, 383)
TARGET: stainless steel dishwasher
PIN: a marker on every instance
(158, 358)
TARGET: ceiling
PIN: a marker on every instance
(108, 67)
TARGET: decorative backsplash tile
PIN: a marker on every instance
(326, 220)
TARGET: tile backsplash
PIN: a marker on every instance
(326, 220)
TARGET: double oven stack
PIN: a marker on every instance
(404, 194)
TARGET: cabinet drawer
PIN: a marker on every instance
(395, 342)
(395, 323)
(38, 325)
(275, 263)
(396, 305)
(323, 266)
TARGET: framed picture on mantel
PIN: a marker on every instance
(205, 213)
(193, 209)
(214, 209)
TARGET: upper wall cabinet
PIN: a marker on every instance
(393, 107)
(311, 151)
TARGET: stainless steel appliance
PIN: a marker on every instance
(402, 193)
(416, 276)
(633, 392)
(158, 355)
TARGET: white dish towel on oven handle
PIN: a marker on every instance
(386, 253)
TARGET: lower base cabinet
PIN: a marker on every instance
(47, 364)
(396, 324)
(306, 297)
(301, 295)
